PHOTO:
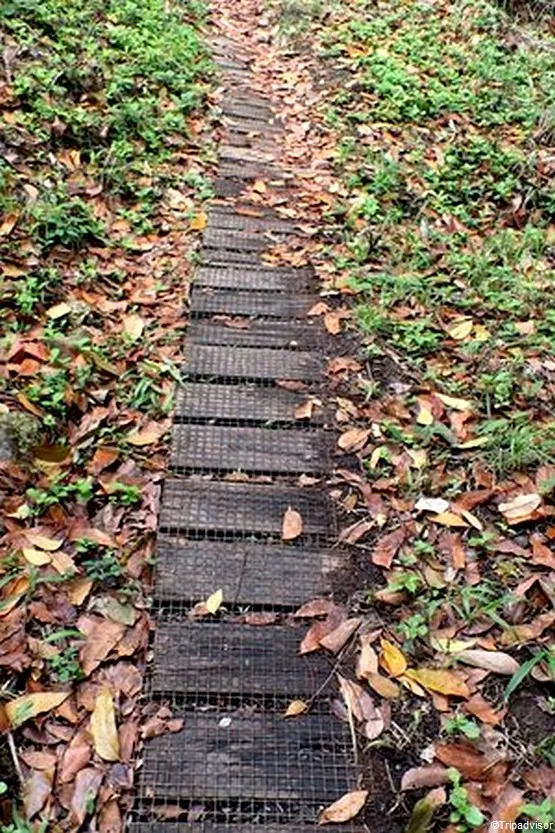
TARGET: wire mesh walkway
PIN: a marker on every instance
(238, 452)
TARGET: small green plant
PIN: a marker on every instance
(103, 568)
(20, 825)
(58, 218)
(3, 788)
(543, 813)
(65, 665)
(124, 495)
(464, 814)
(462, 725)
(59, 491)
(413, 628)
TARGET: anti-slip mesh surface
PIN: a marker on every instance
(238, 449)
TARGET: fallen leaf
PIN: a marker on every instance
(353, 439)
(440, 680)
(43, 542)
(521, 508)
(431, 504)
(58, 310)
(383, 686)
(345, 808)
(367, 662)
(416, 778)
(133, 326)
(215, 601)
(199, 221)
(149, 434)
(38, 558)
(292, 525)
(496, 661)
(26, 706)
(424, 810)
(392, 659)
(338, 638)
(453, 402)
(387, 547)
(304, 410)
(86, 787)
(317, 607)
(103, 727)
(37, 790)
(460, 328)
(295, 708)
(449, 519)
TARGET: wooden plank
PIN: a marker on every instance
(262, 304)
(248, 449)
(248, 573)
(219, 756)
(213, 658)
(251, 363)
(244, 403)
(274, 333)
(248, 278)
(240, 508)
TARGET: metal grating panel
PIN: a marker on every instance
(274, 333)
(240, 403)
(238, 240)
(221, 756)
(229, 152)
(264, 450)
(257, 278)
(263, 304)
(240, 508)
(245, 222)
(185, 827)
(251, 170)
(251, 363)
(247, 111)
(248, 573)
(237, 659)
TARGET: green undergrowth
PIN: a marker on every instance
(447, 120)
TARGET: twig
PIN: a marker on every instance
(353, 731)
(15, 759)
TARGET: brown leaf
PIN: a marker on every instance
(520, 508)
(148, 434)
(317, 607)
(383, 686)
(103, 727)
(419, 777)
(387, 547)
(359, 703)
(367, 662)
(102, 637)
(345, 808)
(133, 326)
(496, 661)
(353, 439)
(37, 790)
(448, 519)
(470, 762)
(507, 807)
(87, 785)
(292, 525)
(338, 638)
(76, 756)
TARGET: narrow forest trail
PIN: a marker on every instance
(246, 476)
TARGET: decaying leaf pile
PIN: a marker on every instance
(101, 173)
(422, 141)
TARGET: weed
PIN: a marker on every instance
(103, 568)
(543, 813)
(462, 725)
(58, 219)
(413, 628)
(464, 814)
(123, 494)
(59, 491)
(65, 665)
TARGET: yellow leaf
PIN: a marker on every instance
(460, 328)
(30, 705)
(78, 589)
(58, 310)
(481, 333)
(472, 519)
(425, 416)
(260, 186)
(43, 542)
(38, 558)
(453, 402)
(296, 707)
(214, 602)
(419, 458)
(476, 443)
(292, 525)
(103, 727)
(133, 326)
(198, 223)
(439, 680)
(448, 519)
(392, 659)
(345, 808)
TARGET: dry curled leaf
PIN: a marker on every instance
(27, 706)
(439, 680)
(295, 708)
(392, 659)
(292, 525)
(353, 439)
(345, 808)
(103, 727)
(496, 661)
